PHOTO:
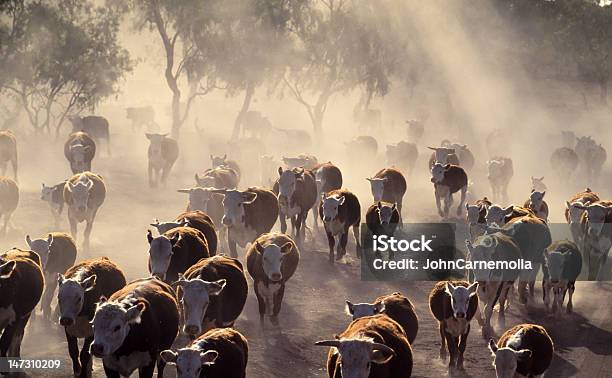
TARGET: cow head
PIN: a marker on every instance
(472, 213)
(555, 261)
(198, 197)
(78, 153)
(272, 257)
(385, 211)
(441, 154)
(331, 205)
(596, 216)
(536, 198)
(377, 185)
(76, 121)
(482, 250)
(71, 296)
(359, 310)
(46, 193)
(196, 295)
(163, 227)
(538, 184)
(41, 246)
(497, 214)
(111, 324)
(356, 356)
(438, 171)
(575, 210)
(155, 145)
(460, 298)
(160, 253)
(218, 161)
(233, 205)
(505, 359)
(496, 168)
(294, 162)
(79, 192)
(189, 361)
(287, 183)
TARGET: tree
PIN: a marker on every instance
(69, 61)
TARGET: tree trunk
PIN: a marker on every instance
(248, 96)
(176, 114)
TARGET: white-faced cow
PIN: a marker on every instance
(8, 152)
(389, 185)
(305, 161)
(9, 198)
(537, 205)
(54, 196)
(79, 150)
(57, 251)
(500, 173)
(21, 286)
(175, 251)
(271, 261)
(382, 218)
(162, 153)
(84, 193)
(525, 350)
(79, 289)
(297, 193)
(396, 306)
(596, 236)
(212, 294)
(196, 219)
(537, 183)
(247, 215)
(562, 266)
(573, 214)
(96, 126)
(328, 177)
(475, 216)
(453, 304)
(340, 210)
(372, 346)
(443, 155)
(133, 326)
(448, 179)
(219, 353)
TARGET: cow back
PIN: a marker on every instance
(62, 253)
(262, 213)
(24, 287)
(9, 195)
(254, 258)
(536, 339)
(233, 351)
(202, 222)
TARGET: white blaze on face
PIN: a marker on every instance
(155, 147)
(41, 246)
(286, 185)
(437, 173)
(505, 360)
(596, 214)
(359, 310)
(70, 297)
(330, 207)
(79, 192)
(189, 361)
(272, 257)
(575, 211)
(460, 298)
(377, 185)
(357, 355)
(233, 206)
(197, 294)
(385, 212)
(111, 325)
(160, 254)
(497, 215)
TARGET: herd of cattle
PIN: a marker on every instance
(197, 291)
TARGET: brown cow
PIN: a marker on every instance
(448, 179)
(196, 219)
(8, 152)
(162, 153)
(389, 185)
(79, 150)
(328, 177)
(84, 193)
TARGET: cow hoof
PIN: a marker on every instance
(569, 309)
(441, 214)
(274, 320)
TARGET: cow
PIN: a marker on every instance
(448, 179)
(453, 304)
(493, 284)
(596, 236)
(8, 152)
(96, 126)
(415, 130)
(500, 173)
(9, 199)
(133, 326)
(219, 353)
(339, 211)
(271, 261)
(141, 116)
(196, 219)
(537, 205)
(297, 193)
(524, 350)
(591, 157)
(205, 200)
(389, 185)
(497, 215)
(573, 214)
(475, 216)
(562, 266)
(396, 306)
(212, 294)
(84, 193)
(402, 155)
(382, 218)
(328, 177)
(54, 196)
(538, 184)
(79, 150)
(175, 251)
(79, 289)
(255, 124)
(443, 155)
(162, 154)
(21, 287)
(564, 162)
(301, 161)
(223, 161)
(247, 215)
(372, 346)
(219, 177)
(57, 251)
(463, 153)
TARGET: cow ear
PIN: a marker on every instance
(89, 283)
(6, 269)
(149, 236)
(258, 247)
(381, 354)
(472, 289)
(568, 205)
(175, 239)
(209, 357)
(543, 193)
(149, 136)
(523, 354)
(134, 313)
(492, 346)
(60, 278)
(379, 307)
(541, 178)
(509, 209)
(224, 156)
(168, 356)
(214, 288)
(348, 308)
(280, 171)
(287, 247)
(447, 166)
(394, 206)
(450, 288)
(341, 200)
(250, 197)
(28, 240)
(184, 190)
(50, 240)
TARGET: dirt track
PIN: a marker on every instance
(313, 308)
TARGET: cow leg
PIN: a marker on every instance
(147, 371)
(331, 240)
(231, 243)
(111, 373)
(294, 226)
(88, 227)
(165, 173)
(161, 366)
(462, 201)
(278, 300)
(443, 341)
(501, 318)
(260, 301)
(151, 181)
(357, 241)
(14, 164)
(283, 222)
(399, 210)
(448, 201)
(50, 285)
(451, 343)
(85, 357)
(546, 293)
(10, 342)
(315, 216)
(73, 350)
(571, 287)
(73, 227)
(6, 221)
(341, 248)
(462, 346)
(438, 204)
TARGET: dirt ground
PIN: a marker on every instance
(313, 307)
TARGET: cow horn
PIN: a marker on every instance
(329, 343)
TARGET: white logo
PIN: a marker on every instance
(383, 243)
